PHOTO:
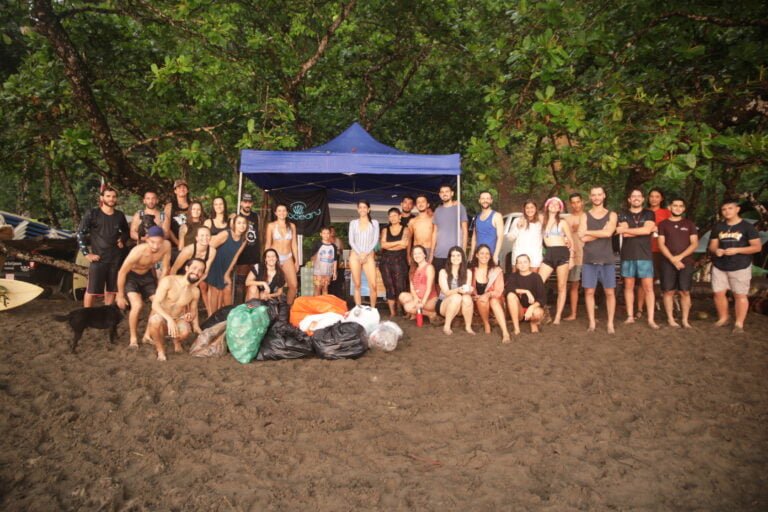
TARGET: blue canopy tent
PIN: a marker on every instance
(350, 167)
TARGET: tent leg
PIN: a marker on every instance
(458, 214)
(237, 209)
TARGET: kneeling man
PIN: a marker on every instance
(136, 279)
(174, 309)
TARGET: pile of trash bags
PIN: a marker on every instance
(319, 326)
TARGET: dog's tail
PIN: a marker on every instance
(61, 318)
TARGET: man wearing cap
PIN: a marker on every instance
(176, 211)
(136, 279)
(251, 254)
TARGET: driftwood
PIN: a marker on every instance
(45, 260)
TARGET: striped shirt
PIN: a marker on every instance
(363, 241)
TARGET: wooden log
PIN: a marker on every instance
(45, 260)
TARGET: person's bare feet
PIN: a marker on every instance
(686, 325)
(147, 340)
(447, 330)
(506, 339)
(177, 347)
(487, 328)
(738, 329)
(517, 332)
(721, 322)
(161, 356)
(569, 318)
(611, 330)
(672, 323)
(639, 313)
(591, 328)
(134, 344)
(534, 329)
(470, 331)
(630, 320)
(653, 325)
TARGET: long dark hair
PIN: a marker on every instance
(201, 219)
(535, 217)
(415, 265)
(263, 267)
(461, 278)
(547, 214)
(475, 263)
(213, 211)
(366, 203)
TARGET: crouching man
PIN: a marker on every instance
(174, 308)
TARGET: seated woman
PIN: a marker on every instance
(268, 281)
(422, 296)
(488, 283)
(455, 290)
(525, 295)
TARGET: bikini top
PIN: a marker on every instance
(277, 236)
(555, 231)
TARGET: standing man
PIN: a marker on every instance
(489, 227)
(656, 205)
(406, 206)
(635, 226)
(678, 239)
(574, 275)
(596, 229)
(109, 231)
(446, 227)
(150, 216)
(174, 308)
(421, 226)
(732, 243)
(251, 254)
(135, 279)
(176, 213)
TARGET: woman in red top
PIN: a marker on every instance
(422, 295)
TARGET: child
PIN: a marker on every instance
(324, 262)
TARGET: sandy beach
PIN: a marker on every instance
(564, 420)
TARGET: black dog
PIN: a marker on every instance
(102, 317)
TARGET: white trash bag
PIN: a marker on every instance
(364, 315)
(385, 336)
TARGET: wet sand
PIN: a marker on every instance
(564, 420)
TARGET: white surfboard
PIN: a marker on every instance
(16, 293)
(79, 282)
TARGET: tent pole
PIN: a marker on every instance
(239, 195)
(458, 213)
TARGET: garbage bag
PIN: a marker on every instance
(304, 306)
(311, 323)
(246, 326)
(344, 340)
(216, 318)
(366, 316)
(278, 309)
(210, 342)
(385, 336)
(284, 341)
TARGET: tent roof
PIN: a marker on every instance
(352, 166)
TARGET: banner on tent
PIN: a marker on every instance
(307, 209)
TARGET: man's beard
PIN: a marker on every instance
(193, 279)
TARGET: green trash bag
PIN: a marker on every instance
(246, 326)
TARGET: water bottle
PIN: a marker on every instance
(419, 318)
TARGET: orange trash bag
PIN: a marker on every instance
(305, 306)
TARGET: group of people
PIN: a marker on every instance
(181, 254)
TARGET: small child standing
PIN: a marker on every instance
(324, 262)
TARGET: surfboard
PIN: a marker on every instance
(16, 293)
(79, 282)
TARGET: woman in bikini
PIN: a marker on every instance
(559, 243)
(281, 236)
(488, 284)
(363, 237)
(219, 219)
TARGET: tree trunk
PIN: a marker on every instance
(53, 219)
(45, 260)
(69, 193)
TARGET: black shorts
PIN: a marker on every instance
(557, 256)
(144, 284)
(437, 306)
(102, 277)
(673, 279)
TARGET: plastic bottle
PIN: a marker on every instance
(419, 318)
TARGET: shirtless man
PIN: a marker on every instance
(574, 275)
(174, 308)
(135, 278)
(202, 250)
(421, 226)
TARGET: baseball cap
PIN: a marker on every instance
(179, 183)
(247, 197)
(156, 231)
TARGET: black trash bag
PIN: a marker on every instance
(344, 340)
(284, 341)
(217, 317)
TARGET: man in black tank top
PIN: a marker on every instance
(595, 230)
(176, 212)
(251, 254)
(144, 219)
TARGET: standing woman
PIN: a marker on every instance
(394, 260)
(281, 236)
(188, 231)
(422, 295)
(363, 237)
(488, 284)
(560, 244)
(455, 282)
(268, 281)
(228, 244)
(526, 232)
(219, 219)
